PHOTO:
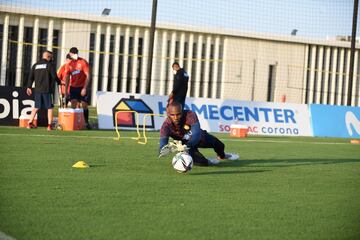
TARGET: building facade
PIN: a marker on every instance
(221, 64)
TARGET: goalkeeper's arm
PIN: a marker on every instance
(163, 142)
(195, 136)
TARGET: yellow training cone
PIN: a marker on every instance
(80, 164)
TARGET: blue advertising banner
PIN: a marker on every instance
(215, 115)
(335, 121)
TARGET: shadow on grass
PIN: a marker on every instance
(285, 162)
(230, 172)
(97, 165)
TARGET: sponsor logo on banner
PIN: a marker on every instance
(216, 115)
(125, 112)
(14, 102)
(352, 122)
(335, 121)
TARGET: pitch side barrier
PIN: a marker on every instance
(215, 115)
(240, 113)
(282, 116)
(261, 118)
(335, 121)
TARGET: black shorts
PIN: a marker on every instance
(44, 101)
(75, 94)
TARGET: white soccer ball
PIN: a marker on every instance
(182, 162)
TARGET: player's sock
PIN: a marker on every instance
(86, 115)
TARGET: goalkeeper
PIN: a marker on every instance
(184, 128)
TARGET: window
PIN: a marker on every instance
(337, 76)
(91, 57)
(211, 67)
(193, 70)
(92, 49)
(330, 75)
(12, 56)
(271, 83)
(177, 45)
(308, 75)
(186, 50)
(1, 40)
(129, 67)
(139, 78)
(121, 59)
(167, 74)
(42, 41)
(27, 52)
(323, 76)
(220, 67)
(110, 67)
(316, 70)
(101, 62)
(202, 70)
(345, 77)
(55, 49)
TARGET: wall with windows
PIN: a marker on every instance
(221, 64)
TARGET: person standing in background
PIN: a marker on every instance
(61, 75)
(43, 73)
(181, 79)
(77, 76)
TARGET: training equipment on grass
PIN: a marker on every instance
(140, 139)
(144, 125)
(136, 121)
(80, 164)
(70, 119)
(239, 131)
(182, 162)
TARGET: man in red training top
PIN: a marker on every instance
(77, 74)
(61, 75)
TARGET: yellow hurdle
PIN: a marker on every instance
(144, 125)
(138, 138)
(136, 120)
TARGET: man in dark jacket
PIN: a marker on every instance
(43, 73)
(180, 87)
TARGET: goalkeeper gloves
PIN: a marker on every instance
(180, 147)
(173, 147)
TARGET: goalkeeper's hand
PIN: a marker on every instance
(167, 149)
(173, 147)
(180, 147)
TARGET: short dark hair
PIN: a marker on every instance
(68, 56)
(48, 51)
(175, 104)
(175, 63)
(74, 50)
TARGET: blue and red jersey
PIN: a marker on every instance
(188, 130)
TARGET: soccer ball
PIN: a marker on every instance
(182, 162)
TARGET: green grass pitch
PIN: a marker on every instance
(281, 188)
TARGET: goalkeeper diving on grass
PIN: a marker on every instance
(184, 128)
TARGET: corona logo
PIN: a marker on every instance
(352, 123)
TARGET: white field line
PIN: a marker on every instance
(3, 236)
(156, 138)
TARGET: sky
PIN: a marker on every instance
(312, 18)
